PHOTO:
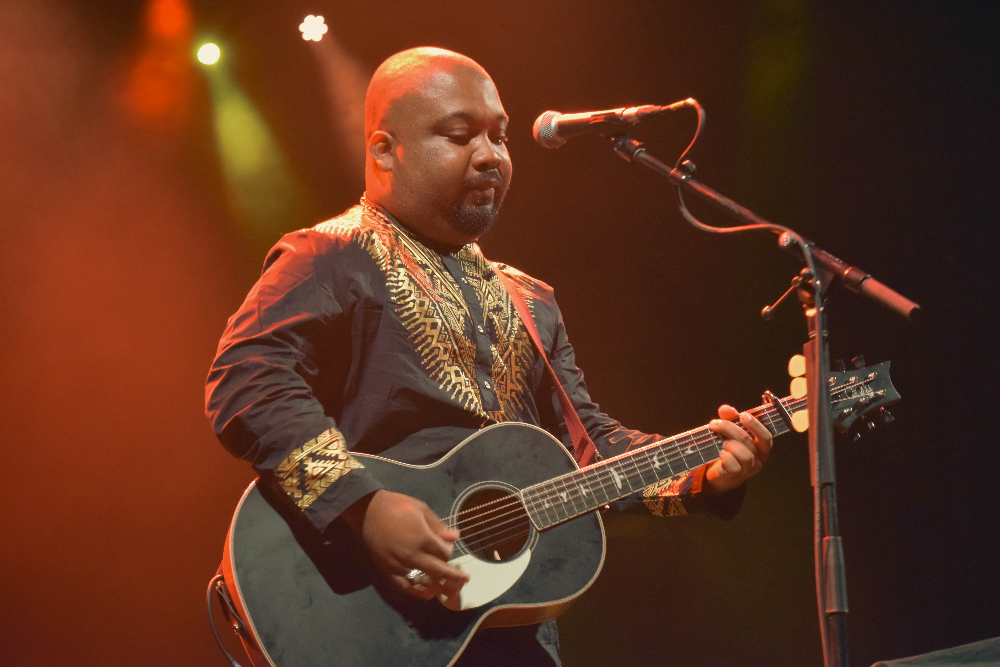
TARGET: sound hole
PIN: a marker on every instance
(493, 524)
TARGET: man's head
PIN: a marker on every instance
(437, 157)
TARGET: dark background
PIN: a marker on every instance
(868, 127)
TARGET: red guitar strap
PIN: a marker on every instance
(583, 447)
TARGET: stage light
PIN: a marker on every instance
(209, 54)
(313, 28)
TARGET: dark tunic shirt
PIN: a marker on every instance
(360, 336)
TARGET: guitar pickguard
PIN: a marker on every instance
(487, 581)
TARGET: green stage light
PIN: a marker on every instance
(209, 54)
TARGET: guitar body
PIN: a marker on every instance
(307, 603)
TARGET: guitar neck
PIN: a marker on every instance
(563, 498)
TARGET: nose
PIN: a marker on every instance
(488, 154)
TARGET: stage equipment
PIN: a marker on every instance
(822, 271)
(553, 128)
(982, 653)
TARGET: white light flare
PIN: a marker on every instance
(313, 28)
(209, 54)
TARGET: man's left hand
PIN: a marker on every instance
(744, 452)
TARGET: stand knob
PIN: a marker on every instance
(858, 361)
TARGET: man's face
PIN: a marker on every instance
(452, 165)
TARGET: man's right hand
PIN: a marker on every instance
(402, 534)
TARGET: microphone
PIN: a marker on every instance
(552, 128)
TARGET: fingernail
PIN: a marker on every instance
(713, 423)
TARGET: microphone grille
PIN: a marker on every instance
(544, 130)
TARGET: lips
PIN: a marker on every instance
(486, 180)
(484, 185)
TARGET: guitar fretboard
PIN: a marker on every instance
(563, 498)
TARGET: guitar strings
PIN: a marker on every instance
(504, 534)
(538, 492)
(512, 501)
(764, 410)
(767, 412)
(514, 505)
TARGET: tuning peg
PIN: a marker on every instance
(886, 416)
(862, 429)
(858, 361)
(797, 366)
(838, 365)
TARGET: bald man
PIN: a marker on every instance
(386, 331)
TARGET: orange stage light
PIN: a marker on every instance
(161, 82)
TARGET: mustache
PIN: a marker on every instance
(491, 177)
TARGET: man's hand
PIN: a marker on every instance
(401, 534)
(743, 454)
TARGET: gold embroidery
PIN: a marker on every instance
(662, 498)
(430, 305)
(312, 468)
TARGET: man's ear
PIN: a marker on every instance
(382, 146)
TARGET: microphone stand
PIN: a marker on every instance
(822, 271)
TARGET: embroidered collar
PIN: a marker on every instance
(436, 246)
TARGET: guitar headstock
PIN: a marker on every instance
(860, 396)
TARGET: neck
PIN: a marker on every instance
(435, 234)
(563, 498)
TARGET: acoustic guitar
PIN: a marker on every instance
(531, 540)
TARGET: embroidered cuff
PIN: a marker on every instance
(312, 468)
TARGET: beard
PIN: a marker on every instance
(473, 220)
(476, 220)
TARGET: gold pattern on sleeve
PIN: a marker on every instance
(664, 498)
(312, 468)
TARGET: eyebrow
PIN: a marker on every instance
(465, 115)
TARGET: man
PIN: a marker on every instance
(385, 330)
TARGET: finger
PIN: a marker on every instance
(412, 588)
(439, 570)
(443, 534)
(730, 431)
(727, 412)
(451, 587)
(762, 437)
(729, 463)
(429, 586)
(742, 454)
(438, 548)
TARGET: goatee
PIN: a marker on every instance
(473, 220)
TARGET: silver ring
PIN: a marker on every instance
(414, 575)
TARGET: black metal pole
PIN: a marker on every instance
(831, 575)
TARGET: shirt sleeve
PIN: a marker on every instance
(672, 497)
(260, 392)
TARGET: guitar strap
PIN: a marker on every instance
(583, 447)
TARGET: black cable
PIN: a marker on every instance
(816, 279)
(698, 224)
(216, 581)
